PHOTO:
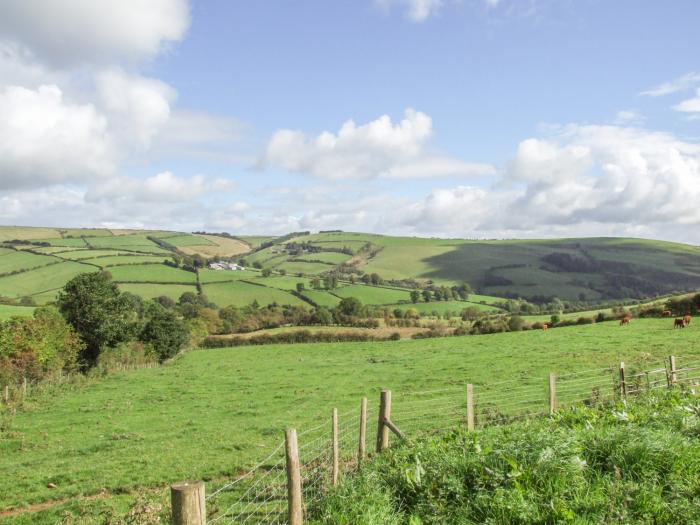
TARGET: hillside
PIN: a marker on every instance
(238, 401)
(36, 262)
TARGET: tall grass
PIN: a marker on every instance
(636, 463)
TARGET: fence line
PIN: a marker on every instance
(266, 493)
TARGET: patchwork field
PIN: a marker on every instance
(12, 261)
(238, 401)
(120, 260)
(373, 294)
(241, 293)
(151, 291)
(212, 245)
(46, 279)
(7, 311)
(155, 273)
(441, 307)
(216, 276)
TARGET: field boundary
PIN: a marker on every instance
(286, 485)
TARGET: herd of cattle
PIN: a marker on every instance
(680, 322)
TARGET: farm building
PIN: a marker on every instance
(225, 266)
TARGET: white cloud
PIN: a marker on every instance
(76, 32)
(379, 148)
(679, 84)
(691, 105)
(139, 107)
(628, 117)
(45, 139)
(416, 10)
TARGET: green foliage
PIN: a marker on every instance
(165, 333)
(635, 463)
(350, 306)
(98, 312)
(35, 347)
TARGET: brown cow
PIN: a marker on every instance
(666, 313)
(678, 323)
(625, 320)
(545, 327)
(687, 319)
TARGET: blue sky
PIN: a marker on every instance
(470, 118)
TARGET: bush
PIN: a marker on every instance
(165, 334)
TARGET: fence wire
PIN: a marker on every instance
(259, 496)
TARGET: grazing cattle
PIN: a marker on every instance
(679, 323)
(625, 320)
(666, 313)
(687, 319)
(545, 327)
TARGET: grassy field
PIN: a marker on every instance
(157, 273)
(322, 298)
(373, 294)
(241, 293)
(306, 268)
(142, 429)
(7, 311)
(214, 245)
(151, 291)
(326, 257)
(119, 260)
(78, 255)
(217, 276)
(9, 233)
(43, 279)
(444, 306)
(283, 282)
(12, 261)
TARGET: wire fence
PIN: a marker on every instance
(260, 495)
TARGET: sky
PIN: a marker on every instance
(450, 118)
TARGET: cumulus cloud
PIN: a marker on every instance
(45, 139)
(139, 107)
(78, 32)
(681, 83)
(416, 10)
(379, 148)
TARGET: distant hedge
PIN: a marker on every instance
(298, 336)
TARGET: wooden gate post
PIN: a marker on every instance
(295, 516)
(552, 393)
(623, 385)
(334, 476)
(470, 407)
(361, 449)
(672, 374)
(384, 415)
(187, 503)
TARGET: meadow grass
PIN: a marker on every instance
(240, 293)
(307, 268)
(187, 240)
(441, 307)
(283, 282)
(120, 260)
(68, 243)
(212, 413)
(9, 233)
(373, 294)
(327, 257)
(7, 311)
(216, 276)
(42, 279)
(322, 298)
(156, 273)
(151, 291)
(12, 261)
(92, 254)
(636, 462)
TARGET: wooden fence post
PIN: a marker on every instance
(623, 385)
(384, 415)
(24, 388)
(295, 516)
(552, 393)
(334, 476)
(363, 432)
(470, 407)
(672, 373)
(187, 503)
(6, 394)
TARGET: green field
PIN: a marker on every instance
(444, 306)
(44, 279)
(68, 243)
(373, 294)
(12, 261)
(181, 241)
(305, 268)
(119, 260)
(91, 254)
(283, 282)
(242, 294)
(155, 273)
(322, 298)
(10, 233)
(326, 257)
(135, 242)
(217, 276)
(7, 311)
(151, 291)
(214, 412)
(255, 240)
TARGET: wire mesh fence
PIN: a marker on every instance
(328, 451)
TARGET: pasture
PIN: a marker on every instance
(211, 413)
(441, 307)
(241, 293)
(151, 290)
(7, 311)
(47, 279)
(154, 273)
(373, 294)
(120, 260)
(218, 276)
(12, 261)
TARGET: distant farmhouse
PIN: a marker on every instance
(225, 266)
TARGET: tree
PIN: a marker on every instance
(350, 306)
(93, 306)
(427, 295)
(165, 333)
(266, 272)
(300, 287)
(415, 296)
(316, 283)
(283, 272)
(375, 279)
(322, 316)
